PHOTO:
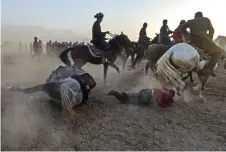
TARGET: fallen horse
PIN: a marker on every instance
(66, 86)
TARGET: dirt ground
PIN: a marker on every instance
(31, 122)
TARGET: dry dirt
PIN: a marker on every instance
(31, 122)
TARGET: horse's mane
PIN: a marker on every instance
(155, 39)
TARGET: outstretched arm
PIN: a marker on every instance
(123, 97)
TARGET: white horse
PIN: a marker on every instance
(221, 42)
(180, 59)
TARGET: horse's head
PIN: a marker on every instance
(155, 39)
(122, 40)
(204, 77)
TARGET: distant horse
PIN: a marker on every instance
(180, 59)
(221, 42)
(130, 52)
(81, 54)
(141, 52)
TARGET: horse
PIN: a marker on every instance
(221, 42)
(141, 52)
(81, 54)
(180, 59)
(129, 52)
(65, 86)
(155, 51)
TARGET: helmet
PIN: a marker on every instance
(198, 14)
(145, 24)
(99, 15)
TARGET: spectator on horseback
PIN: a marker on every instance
(35, 45)
(179, 33)
(203, 40)
(164, 33)
(143, 38)
(98, 37)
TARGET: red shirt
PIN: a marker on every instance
(178, 35)
(163, 97)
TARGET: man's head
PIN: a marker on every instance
(99, 16)
(35, 38)
(165, 21)
(198, 14)
(145, 25)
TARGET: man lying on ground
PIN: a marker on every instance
(162, 97)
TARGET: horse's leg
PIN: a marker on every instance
(139, 60)
(147, 66)
(124, 59)
(114, 66)
(124, 62)
(198, 88)
(105, 72)
(180, 87)
(190, 74)
(132, 57)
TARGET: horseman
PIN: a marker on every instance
(98, 36)
(199, 37)
(164, 33)
(179, 33)
(143, 38)
(36, 45)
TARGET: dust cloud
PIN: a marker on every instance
(24, 117)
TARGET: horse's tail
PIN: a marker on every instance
(64, 57)
(29, 90)
(69, 99)
(166, 68)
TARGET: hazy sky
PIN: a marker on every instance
(120, 15)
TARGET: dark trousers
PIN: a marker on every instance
(205, 43)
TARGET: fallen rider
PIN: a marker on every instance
(66, 86)
(162, 97)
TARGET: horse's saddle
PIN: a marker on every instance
(93, 50)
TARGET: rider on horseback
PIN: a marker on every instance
(164, 33)
(179, 33)
(98, 36)
(199, 37)
(143, 38)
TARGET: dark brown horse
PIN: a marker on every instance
(130, 52)
(140, 51)
(81, 54)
